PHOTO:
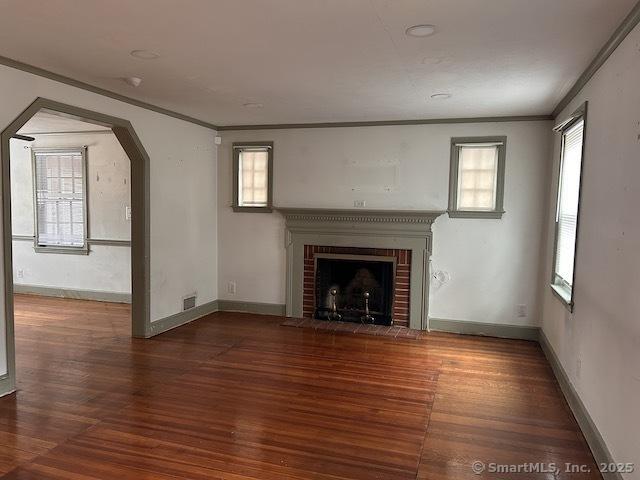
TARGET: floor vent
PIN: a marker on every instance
(188, 302)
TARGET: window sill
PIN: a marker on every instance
(237, 208)
(472, 214)
(563, 295)
(64, 250)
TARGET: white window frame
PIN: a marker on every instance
(564, 290)
(248, 146)
(456, 144)
(43, 248)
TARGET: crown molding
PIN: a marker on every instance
(620, 33)
(56, 77)
(386, 123)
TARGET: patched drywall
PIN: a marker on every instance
(598, 344)
(107, 268)
(491, 266)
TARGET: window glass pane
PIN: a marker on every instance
(568, 195)
(60, 198)
(253, 178)
(477, 177)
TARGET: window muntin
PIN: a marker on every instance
(568, 206)
(60, 198)
(253, 177)
(476, 187)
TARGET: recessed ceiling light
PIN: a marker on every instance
(144, 54)
(252, 105)
(421, 30)
(440, 96)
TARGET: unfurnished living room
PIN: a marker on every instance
(320, 239)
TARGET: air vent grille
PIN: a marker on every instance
(188, 302)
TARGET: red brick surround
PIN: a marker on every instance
(400, 288)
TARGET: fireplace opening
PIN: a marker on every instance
(355, 288)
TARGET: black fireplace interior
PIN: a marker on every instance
(351, 278)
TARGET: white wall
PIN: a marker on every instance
(494, 264)
(599, 344)
(106, 268)
(183, 189)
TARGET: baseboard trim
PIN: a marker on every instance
(97, 295)
(182, 318)
(591, 433)
(252, 307)
(6, 385)
(517, 332)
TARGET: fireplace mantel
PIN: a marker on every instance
(380, 229)
(360, 215)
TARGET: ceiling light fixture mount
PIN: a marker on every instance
(420, 31)
(133, 81)
(441, 96)
(144, 54)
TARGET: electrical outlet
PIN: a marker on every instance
(359, 203)
(127, 213)
(231, 288)
(521, 311)
(20, 273)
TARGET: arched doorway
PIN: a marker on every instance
(140, 244)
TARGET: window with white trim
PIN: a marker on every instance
(477, 177)
(567, 207)
(60, 199)
(253, 163)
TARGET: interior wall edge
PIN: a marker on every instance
(591, 433)
(6, 386)
(619, 34)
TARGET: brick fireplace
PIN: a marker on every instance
(404, 236)
(401, 279)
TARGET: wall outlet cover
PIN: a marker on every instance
(231, 287)
(359, 203)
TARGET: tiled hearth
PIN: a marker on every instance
(401, 286)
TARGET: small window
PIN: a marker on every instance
(567, 206)
(476, 184)
(252, 176)
(60, 200)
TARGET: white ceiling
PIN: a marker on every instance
(318, 60)
(43, 122)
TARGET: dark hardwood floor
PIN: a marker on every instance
(237, 396)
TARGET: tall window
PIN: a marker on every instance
(567, 208)
(253, 177)
(60, 199)
(476, 186)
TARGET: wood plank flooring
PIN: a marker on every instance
(237, 397)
